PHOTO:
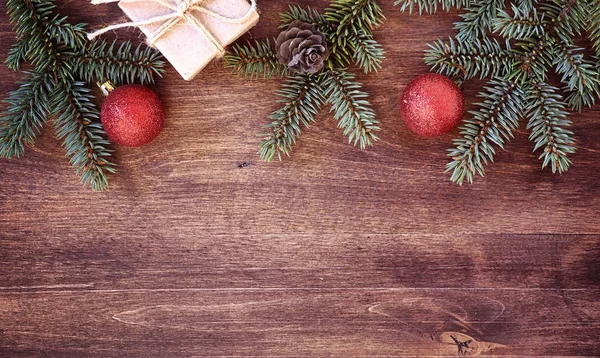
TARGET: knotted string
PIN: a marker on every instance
(181, 11)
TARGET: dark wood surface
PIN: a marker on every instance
(332, 253)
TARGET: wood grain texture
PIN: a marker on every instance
(332, 253)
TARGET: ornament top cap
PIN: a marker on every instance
(106, 88)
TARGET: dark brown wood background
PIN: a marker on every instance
(331, 253)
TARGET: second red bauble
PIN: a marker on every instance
(132, 115)
(432, 105)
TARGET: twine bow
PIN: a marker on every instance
(181, 11)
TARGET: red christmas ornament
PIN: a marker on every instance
(132, 115)
(432, 105)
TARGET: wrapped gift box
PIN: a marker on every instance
(185, 46)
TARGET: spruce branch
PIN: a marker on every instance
(547, 120)
(350, 19)
(523, 23)
(17, 54)
(350, 108)
(593, 27)
(565, 19)
(63, 32)
(493, 123)
(478, 19)
(368, 53)
(579, 75)
(254, 61)
(430, 6)
(309, 15)
(119, 64)
(26, 115)
(354, 16)
(527, 5)
(48, 36)
(303, 98)
(469, 59)
(533, 60)
(77, 124)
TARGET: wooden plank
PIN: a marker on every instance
(162, 259)
(300, 322)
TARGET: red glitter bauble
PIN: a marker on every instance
(432, 105)
(132, 115)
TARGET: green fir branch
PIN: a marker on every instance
(309, 15)
(354, 16)
(42, 52)
(254, 61)
(593, 27)
(533, 59)
(493, 123)
(303, 98)
(538, 36)
(17, 55)
(430, 6)
(350, 19)
(547, 120)
(526, 6)
(523, 23)
(565, 19)
(351, 108)
(77, 124)
(368, 53)
(469, 59)
(119, 64)
(478, 20)
(27, 113)
(579, 75)
(27, 16)
(63, 32)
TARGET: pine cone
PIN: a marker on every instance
(302, 48)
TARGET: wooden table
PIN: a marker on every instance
(201, 250)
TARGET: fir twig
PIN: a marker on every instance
(579, 76)
(533, 60)
(303, 98)
(26, 115)
(593, 27)
(351, 108)
(309, 15)
(478, 19)
(17, 54)
(354, 16)
(523, 23)
(254, 61)
(430, 6)
(77, 124)
(368, 53)
(118, 64)
(547, 122)
(492, 123)
(485, 58)
(351, 19)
